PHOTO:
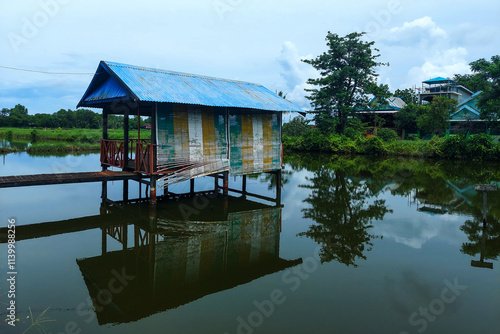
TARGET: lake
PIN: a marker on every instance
(354, 245)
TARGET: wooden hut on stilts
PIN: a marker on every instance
(199, 125)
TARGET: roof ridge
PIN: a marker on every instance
(157, 70)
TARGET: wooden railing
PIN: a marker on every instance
(144, 158)
(139, 151)
(112, 153)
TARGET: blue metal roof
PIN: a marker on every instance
(114, 81)
(437, 80)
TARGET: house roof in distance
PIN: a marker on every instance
(121, 82)
(438, 80)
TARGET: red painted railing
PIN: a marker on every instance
(139, 151)
(112, 153)
(144, 158)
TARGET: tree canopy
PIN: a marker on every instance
(489, 72)
(347, 77)
(408, 95)
(18, 117)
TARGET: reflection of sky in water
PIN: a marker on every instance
(405, 270)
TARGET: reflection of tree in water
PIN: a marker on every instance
(474, 231)
(340, 207)
(271, 179)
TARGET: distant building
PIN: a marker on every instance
(443, 87)
(385, 108)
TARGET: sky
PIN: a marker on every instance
(249, 40)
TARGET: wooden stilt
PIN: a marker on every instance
(278, 187)
(125, 191)
(226, 183)
(152, 190)
(244, 185)
(191, 188)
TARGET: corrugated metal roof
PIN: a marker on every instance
(437, 80)
(472, 97)
(396, 102)
(112, 80)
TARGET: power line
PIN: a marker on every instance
(44, 72)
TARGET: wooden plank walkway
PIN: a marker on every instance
(65, 178)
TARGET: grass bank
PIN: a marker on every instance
(62, 141)
(67, 135)
(62, 148)
(454, 147)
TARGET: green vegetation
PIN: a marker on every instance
(18, 117)
(475, 147)
(62, 148)
(67, 135)
(347, 77)
(408, 95)
(62, 141)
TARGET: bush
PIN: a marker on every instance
(453, 147)
(296, 127)
(387, 134)
(374, 146)
(480, 147)
(8, 136)
(313, 140)
(34, 136)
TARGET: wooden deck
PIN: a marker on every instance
(65, 178)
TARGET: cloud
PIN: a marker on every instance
(295, 74)
(422, 31)
(445, 64)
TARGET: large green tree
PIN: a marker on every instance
(489, 73)
(473, 82)
(406, 118)
(435, 117)
(408, 95)
(347, 77)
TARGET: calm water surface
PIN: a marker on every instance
(357, 246)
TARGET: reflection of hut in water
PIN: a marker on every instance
(175, 262)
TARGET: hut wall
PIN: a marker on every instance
(197, 136)
(255, 143)
(192, 135)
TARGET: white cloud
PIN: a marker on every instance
(445, 64)
(295, 74)
(422, 31)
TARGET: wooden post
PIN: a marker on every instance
(105, 112)
(104, 193)
(125, 137)
(216, 185)
(484, 188)
(244, 185)
(278, 187)
(125, 236)
(125, 191)
(152, 180)
(104, 236)
(191, 188)
(226, 183)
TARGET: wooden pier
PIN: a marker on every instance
(65, 178)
